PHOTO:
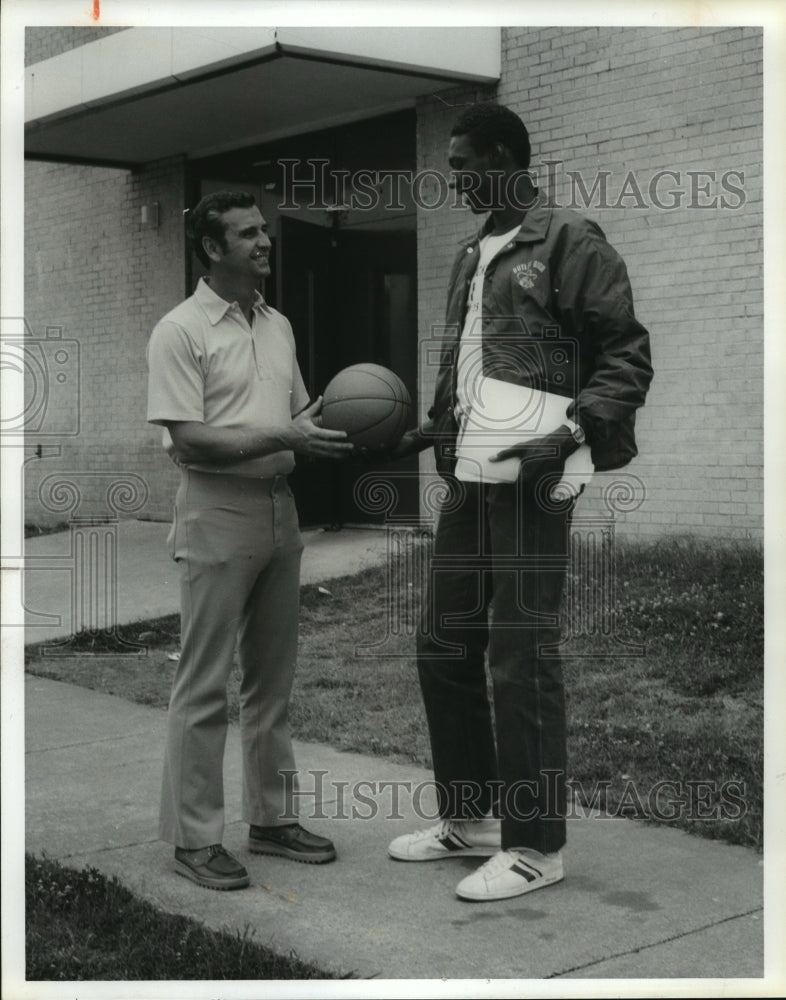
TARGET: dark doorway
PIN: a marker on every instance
(346, 280)
(351, 297)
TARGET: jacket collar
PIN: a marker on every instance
(533, 229)
(214, 306)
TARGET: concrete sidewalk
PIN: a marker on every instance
(638, 901)
(63, 582)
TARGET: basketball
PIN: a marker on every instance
(370, 403)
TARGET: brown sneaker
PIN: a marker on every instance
(291, 841)
(212, 867)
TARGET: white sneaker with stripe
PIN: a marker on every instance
(511, 873)
(449, 839)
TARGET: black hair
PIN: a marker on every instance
(205, 219)
(486, 124)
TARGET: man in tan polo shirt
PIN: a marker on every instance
(225, 384)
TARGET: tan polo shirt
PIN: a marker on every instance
(208, 365)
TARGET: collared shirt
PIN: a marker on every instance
(206, 364)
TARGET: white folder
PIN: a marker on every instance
(502, 414)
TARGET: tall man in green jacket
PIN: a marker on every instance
(538, 299)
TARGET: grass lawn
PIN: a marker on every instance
(84, 926)
(674, 735)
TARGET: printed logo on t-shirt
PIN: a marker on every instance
(527, 274)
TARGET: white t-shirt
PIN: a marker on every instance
(578, 468)
(470, 357)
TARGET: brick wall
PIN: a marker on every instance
(43, 43)
(93, 271)
(632, 102)
(627, 101)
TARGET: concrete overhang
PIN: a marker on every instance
(143, 94)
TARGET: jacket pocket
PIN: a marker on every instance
(445, 437)
(618, 449)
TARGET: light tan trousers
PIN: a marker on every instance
(237, 544)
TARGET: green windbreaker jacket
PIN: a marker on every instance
(557, 314)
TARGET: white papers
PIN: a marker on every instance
(503, 414)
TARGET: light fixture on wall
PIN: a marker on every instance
(337, 215)
(268, 178)
(150, 215)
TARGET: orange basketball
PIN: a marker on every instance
(370, 403)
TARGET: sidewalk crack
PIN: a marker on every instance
(85, 743)
(654, 944)
(107, 850)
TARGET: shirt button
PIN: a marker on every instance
(470, 249)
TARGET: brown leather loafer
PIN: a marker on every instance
(291, 841)
(212, 867)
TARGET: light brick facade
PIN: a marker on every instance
(631, 102)
(95, 272)
(44, 43)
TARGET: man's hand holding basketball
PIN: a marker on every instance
(411, 442)
(307, 436)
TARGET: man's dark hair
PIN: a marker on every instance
(205, 219)
(486, 124)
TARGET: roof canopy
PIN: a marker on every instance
(146, 93)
